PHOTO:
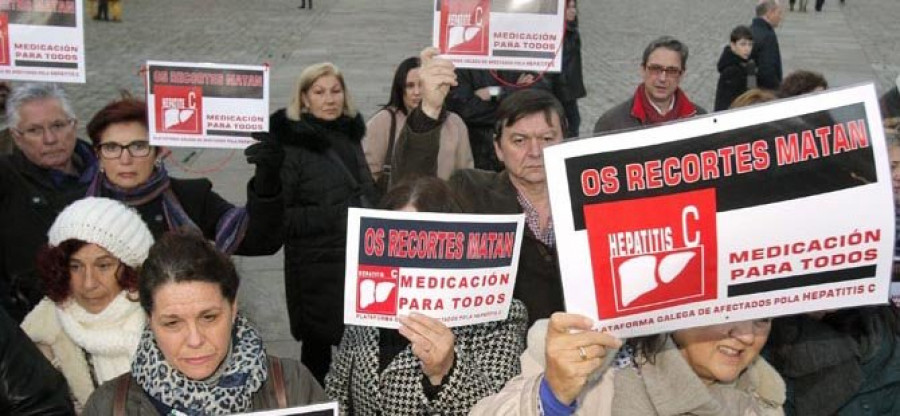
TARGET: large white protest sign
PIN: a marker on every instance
(771, 210)
(322, 409)
(206, 105)
(501, 34)
(458, 268)
(42, 40)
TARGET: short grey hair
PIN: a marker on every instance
(765, 6)
(33, 91)
(669, 43)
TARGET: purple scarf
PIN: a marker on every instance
(230, 228)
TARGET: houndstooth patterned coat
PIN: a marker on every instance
(487, 356)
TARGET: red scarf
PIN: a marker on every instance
(644, 111)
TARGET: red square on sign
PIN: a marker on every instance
(652, 253)
(4, 39)
(376, 290)
(465, 27)
(179, 109)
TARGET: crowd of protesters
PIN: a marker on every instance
(118, 292)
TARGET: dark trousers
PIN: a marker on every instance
(819, 4)
(103, 10)
(573, 118)
(316, 356)
(303, 4)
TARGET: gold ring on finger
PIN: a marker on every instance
(582, 353)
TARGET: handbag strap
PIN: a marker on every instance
(337, 159)
(121, 394)
(278, 379)
(389, 156)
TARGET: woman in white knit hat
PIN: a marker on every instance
(89, 324)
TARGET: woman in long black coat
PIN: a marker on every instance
(324, 173)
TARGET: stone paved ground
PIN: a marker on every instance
(857, 42)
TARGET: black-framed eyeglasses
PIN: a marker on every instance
(671, 71)
(113, 150)
(37, 132)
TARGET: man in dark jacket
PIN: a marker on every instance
(737, 72)
(29, 385)
(765, 52)
(49, 169)
(658, 99)
(529, 120)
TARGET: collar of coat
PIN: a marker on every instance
(314, 134)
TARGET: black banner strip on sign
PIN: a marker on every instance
(225, 83)
(792, 282)
(31, 18)
(228, 133)
(524, 54)
(73, 65)
(776, 183)
(442, 239)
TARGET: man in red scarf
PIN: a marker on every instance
(658, 99)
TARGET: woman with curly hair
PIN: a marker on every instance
(90, 322)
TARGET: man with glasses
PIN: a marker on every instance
(658, 98)
(48, 169)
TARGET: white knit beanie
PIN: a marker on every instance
(107, 223)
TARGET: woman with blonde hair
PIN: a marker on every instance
(324, 173)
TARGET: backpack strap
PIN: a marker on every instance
(278, 379)
(121, 394)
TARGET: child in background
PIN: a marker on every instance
(737, 72)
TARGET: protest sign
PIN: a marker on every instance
(522, 35)
(771, 210)
(206, 105)
(322, 409)
(458, 268)
(42, 41)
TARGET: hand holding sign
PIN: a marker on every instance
(437, 76)
(432, 342)
(573, 356)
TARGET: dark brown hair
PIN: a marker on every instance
(53, 270)
(801, 82)
(184, 256)
(426, 193)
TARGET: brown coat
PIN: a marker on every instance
(454, 152)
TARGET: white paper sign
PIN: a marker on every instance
(206, 105)
(522, 35)
(771, 210)
(458, 268)
(323, 409)
(42, 41)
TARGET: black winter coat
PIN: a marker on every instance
(317, 193)
(733, 73)
(263, 235)
(538, 284)
(568, 85)
(30, 200)
(766, 54)
(29, 385)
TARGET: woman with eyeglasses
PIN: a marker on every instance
(570, 369)
(90, 321)
(131, 171)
